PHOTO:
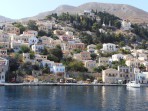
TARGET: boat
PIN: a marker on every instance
(133, 84)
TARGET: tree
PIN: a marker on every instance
(18, 57)
(98, 46)
(117, 24)
(20, 26)
(125, 51)
(115, 64)
(57, 52)
(46, 69)
(66, 61)
(99, 69)
(52, 58)
(122, 43)
(77, 66)
(44, 51)
(36, 67)
(41, 33)
(13, 64)
(24, 49)
(95, 26)
(93, 56)
(54, 37)
(142, 67)
(77, 51)
(32, 25)
(32, 55)
(27, 68)
(85, 38)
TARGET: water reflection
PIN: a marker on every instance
(73, 98)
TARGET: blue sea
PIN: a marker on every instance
(73, 98)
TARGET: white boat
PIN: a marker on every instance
(133, 84)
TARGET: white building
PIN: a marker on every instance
(89, 13)
(48, 63)
(37, 47)
(133, 63)
(117, 57)
(142, 57)
(33, 40)
(54, 67)
(91, 48)
(109, 47)
(16, 45)
(142, 77)
(58, 68)
(125, 25)
(128, 57)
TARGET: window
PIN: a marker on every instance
(2, 77)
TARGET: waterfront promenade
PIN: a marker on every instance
(63, 84)
(58, 84)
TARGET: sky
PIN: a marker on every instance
(16, 9)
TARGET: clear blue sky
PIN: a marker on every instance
(17, 9)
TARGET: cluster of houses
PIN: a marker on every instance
(10, 38)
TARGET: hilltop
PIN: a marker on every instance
(5, 19)
(122, 11)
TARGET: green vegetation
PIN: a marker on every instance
(32, 25)
(43, 33)
(140, 31)
(24, 49)
(75, 51)
(108, 18)
(93, 56)
(115, 64)
(74, 65)
(54, 54)
(20, 26)
(99, 69)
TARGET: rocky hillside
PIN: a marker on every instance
(123, 11)
(4, 19)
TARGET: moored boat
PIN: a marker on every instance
(133, 84)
